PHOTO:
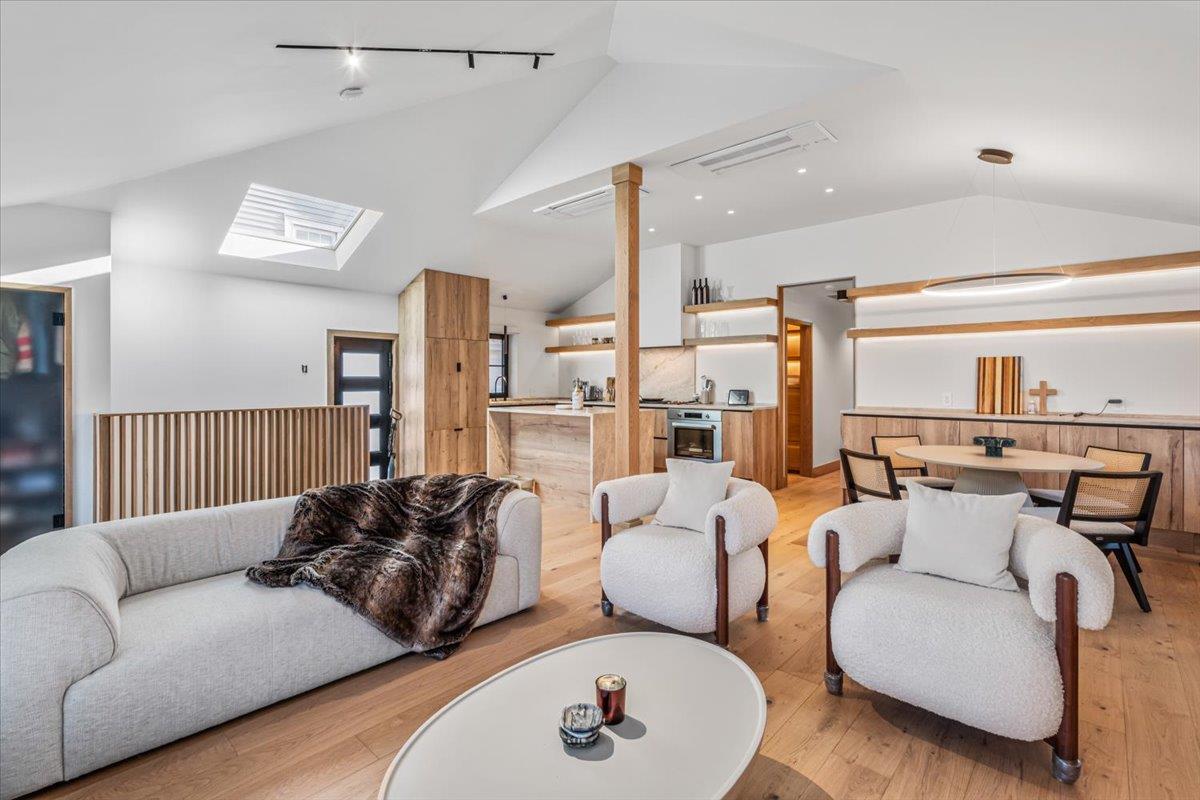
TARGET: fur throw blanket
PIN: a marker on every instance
(414, 556)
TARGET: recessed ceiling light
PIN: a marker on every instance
(828, 190)
(650, 229)
(699, 197)
(730, 211)
(802, 170)
(353, 59)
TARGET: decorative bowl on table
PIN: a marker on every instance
(580, 724)
(994, 445)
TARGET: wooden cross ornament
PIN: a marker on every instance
(1041, 393)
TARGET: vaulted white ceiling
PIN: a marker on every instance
(1098, 100)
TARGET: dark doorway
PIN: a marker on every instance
(35, 412)
(362, 375)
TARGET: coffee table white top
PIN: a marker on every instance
(1013, 460)
(695, 715)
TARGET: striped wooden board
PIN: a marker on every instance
(998, 385)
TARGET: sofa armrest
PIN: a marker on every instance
(59, 621)
(519, 534)
(631, 498)
(1041, 549)
(750, 515)
(866, 531)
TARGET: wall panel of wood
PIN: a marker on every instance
(1165, 447)
(156, 462)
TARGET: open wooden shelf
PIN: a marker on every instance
(581, 348)
(1152, 318)
(756, 338)
(594, 319)
(1090, 269)
(731, 305)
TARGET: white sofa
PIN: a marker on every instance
(120, 637)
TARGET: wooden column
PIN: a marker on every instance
(627, 178)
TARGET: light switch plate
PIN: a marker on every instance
(947, 399)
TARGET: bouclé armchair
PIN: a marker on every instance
(1004, 662)
(688, 580)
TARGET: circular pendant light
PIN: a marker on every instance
(996, 282)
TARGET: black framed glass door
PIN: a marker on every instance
(362, 375)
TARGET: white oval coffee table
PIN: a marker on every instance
(695, 715)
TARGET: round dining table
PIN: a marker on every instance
(984, 474)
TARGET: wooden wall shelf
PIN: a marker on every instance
(732, 305)
(1089, 269)
(707, 341)
(593, 319)
(1152, 318)
(581, 348)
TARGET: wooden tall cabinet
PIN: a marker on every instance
(443, 387)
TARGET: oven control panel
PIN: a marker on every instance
(684, 414)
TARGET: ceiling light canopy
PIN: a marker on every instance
(996, 283)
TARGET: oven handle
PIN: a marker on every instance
(709, 427)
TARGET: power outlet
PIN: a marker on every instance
(947, 399)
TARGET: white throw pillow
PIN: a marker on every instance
(964, 537)
(695, 487)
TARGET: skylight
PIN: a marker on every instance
(277, 225)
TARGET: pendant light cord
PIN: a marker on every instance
(994, 276)
(1036, 222)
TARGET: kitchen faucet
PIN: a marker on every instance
(495, 383)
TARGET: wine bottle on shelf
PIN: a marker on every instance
(707, 297)
(695, 291)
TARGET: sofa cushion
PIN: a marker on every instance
(668, 575)
(976, 655)
(965, 537)
(200, 653)
(166, 549)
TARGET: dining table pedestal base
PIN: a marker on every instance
(991, 481)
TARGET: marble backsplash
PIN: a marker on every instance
(668, 372)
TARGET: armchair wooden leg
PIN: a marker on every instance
(833, 583)
(606, 607)
(722, 586)
(1065, 764)
(763, 608)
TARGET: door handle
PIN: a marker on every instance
(458, 430)
(458, 366)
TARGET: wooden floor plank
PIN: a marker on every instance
(1140, 699)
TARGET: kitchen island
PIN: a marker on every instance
(566, 452)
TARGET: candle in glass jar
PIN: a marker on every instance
(610, 696)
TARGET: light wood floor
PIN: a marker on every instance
(1140, 706)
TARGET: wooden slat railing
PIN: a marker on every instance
(154, 462)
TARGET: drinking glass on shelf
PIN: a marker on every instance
(726, 291)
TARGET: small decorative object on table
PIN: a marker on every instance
(610, 696)
(994, 445)
(580, 725)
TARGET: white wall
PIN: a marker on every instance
(191, 340)
(532, 372)
(832, 362)
(42, 237)
(912, 243)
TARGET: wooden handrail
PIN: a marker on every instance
(160, 461)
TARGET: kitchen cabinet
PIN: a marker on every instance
(443, 323)
(750, 440)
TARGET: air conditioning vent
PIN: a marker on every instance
(799, 139)
(580, 204)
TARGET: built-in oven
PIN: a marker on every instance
(694, 434)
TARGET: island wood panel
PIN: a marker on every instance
(660, 423)
(1165, 447)
(856, 434)
(660, 455)
(499, 432)
(749, 439)
(604, 439)
(1031, 436)
(896, 426)
(1191, 480)
(940, 431)
(556, 451)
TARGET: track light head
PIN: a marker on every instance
(353, 59)
(470, 60)
(536, 60)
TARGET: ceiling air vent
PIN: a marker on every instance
(579, 204)
(791, 140)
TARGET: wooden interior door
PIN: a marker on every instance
(799, 377)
